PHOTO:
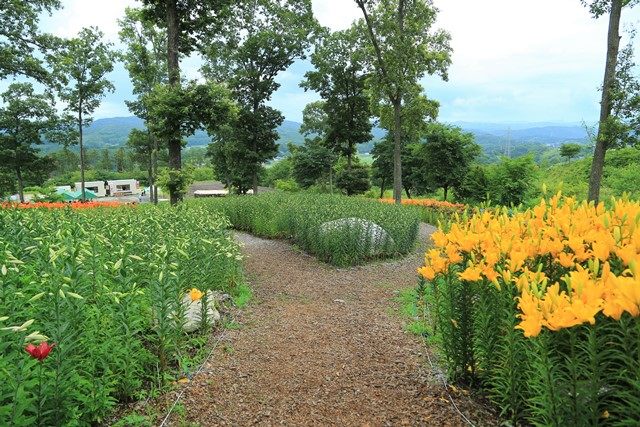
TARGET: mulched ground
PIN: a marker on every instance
(322, 346)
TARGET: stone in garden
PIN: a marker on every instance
(368, 232)
(193, 312)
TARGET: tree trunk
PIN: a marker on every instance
(382, 187)
(331, 179)
(446, 188)
(408, 191)
(173, 68)
(82, 194)
(613, 45)
(255, 183)
(20, 184)
(155, 170)
(256, 105)
(397, 151)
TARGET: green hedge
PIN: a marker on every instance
(299, 217)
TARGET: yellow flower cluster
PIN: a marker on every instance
(569, 261)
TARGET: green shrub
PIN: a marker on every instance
(287, 185)
(353, 181)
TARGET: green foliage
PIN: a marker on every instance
(354, 180)
(264, 37)
(444, 159)
(339, 77)
(401, 47)
(22, 42)
(621, 169)
(24, 119)
(175, 181)
(568, 377)
(278, 170)
(570, 150)
(511, 181)
(105, 285)
(299, 216)
(475, 186)
(286, 185)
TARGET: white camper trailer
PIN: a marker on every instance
(114, 187)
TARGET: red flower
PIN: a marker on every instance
(40, 352)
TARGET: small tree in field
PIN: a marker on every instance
(446, 156)
(570, 150)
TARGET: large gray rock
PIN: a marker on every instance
(193, 312)
(369, 233)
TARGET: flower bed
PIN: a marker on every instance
(91, 305)
(539, 308)
(300, 217)
(433, 211)
(60, 205)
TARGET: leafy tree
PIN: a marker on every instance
(145, 59)
(570, 150)
(474, 186)
(184, 110)
(382, 166)
(105, 161)
(81, 68)
(313, 161)
(354, 179)
(605, 135)
(280, 170)
(230, 164)
(511, 180)
(623, 127)
(21, 42)
(402, 49)
(24, 119)
(120, 160)
(445, 157)
(66, 161)
(339, 78)
(264, 37)
(187, 23)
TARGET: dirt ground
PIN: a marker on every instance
(322, 346)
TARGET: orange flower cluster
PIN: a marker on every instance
(60, 205)
(430, 203)
(569, 261)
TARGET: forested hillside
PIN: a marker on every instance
(495, 139)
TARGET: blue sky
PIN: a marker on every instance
(513, 61)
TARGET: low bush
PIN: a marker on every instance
(540, 309)
(299, 217)
(104, 288)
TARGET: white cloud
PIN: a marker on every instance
(515, 59)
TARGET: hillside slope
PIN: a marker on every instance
(495, 139)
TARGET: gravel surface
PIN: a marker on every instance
(322, 346)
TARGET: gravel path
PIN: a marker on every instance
(320, 346)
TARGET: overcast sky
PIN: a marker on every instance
(513, 60)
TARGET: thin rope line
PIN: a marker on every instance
(446, 388)
(215, 345)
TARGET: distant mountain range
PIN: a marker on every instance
(495, 138)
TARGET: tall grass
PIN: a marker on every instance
(299, 217)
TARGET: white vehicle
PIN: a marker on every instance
(113, 187)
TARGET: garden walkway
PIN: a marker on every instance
(320, 346)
